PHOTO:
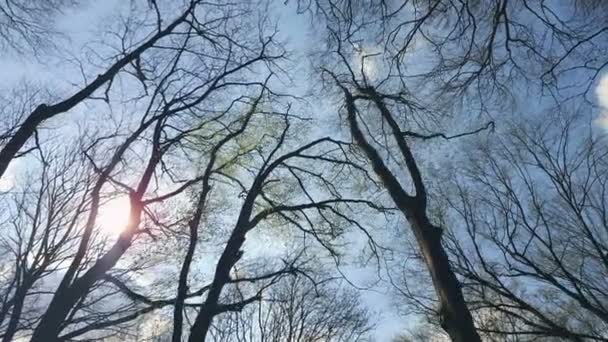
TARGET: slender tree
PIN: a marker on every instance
(259, 206)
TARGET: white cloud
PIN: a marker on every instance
(602, 96)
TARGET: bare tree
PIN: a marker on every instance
(198, 210)
(453, 312)
(423, 333)
(17, 136)
(297, 309)
(39, 235)
(534, 252)
(296, 166)
(408, 62)
(26, 25)
(474, 51)
(192, 96)
(185, 121)
(247, 282)
(175, 107)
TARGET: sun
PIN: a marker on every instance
(114, 215)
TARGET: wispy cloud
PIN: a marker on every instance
(602, 96)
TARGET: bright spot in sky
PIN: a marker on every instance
(114, 215)
(602, 97)
(7, 181)
(365, 62)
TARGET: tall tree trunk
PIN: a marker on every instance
(456, 319)
(182, 287)
(455, 316)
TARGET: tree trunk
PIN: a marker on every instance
(229, 258)
(454, 314)
(182, 288)
(13, 322)
(64, 299)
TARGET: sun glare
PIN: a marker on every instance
(114, 215)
